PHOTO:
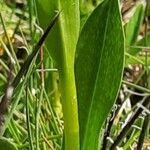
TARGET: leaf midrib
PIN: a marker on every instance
(96, 80)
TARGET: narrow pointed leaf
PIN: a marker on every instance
(35, 51)
(98, 70)
(132, 28)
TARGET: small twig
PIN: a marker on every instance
(126, 128)
(140, 47)
(108, 128)
(47, 142)
(136, 86)
(136, 93)
(107, 133)
(7, 96)
(143, 132)
(42, 65)
(47, 70)
(53, 137)
(146, 110)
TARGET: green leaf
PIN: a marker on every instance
(133, 55)
(61, 45)
(133, 26)
(98, 70)
(62, 41)
(5, 144)
(148, 9)
(135, 58)
(145, 41)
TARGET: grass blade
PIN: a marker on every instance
(27, 63)
(132, 28)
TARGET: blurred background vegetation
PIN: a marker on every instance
(34, 119)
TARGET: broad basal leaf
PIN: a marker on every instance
(98, 70)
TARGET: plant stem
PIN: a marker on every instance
(28, 123)
(30, 6)
(136, 86)
(109, 126)
(56, 101)
(143, 132)
(68, 90)
(129, 124)
(147, 117)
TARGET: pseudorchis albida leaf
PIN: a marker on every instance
(98, 70)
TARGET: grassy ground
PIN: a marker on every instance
(33, 120)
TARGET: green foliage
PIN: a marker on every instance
(62, 41)
(90, 62)
(5, 144)
(132, 29)
(61, 45)
(140, 45)
(98, 70)
(133, 26)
